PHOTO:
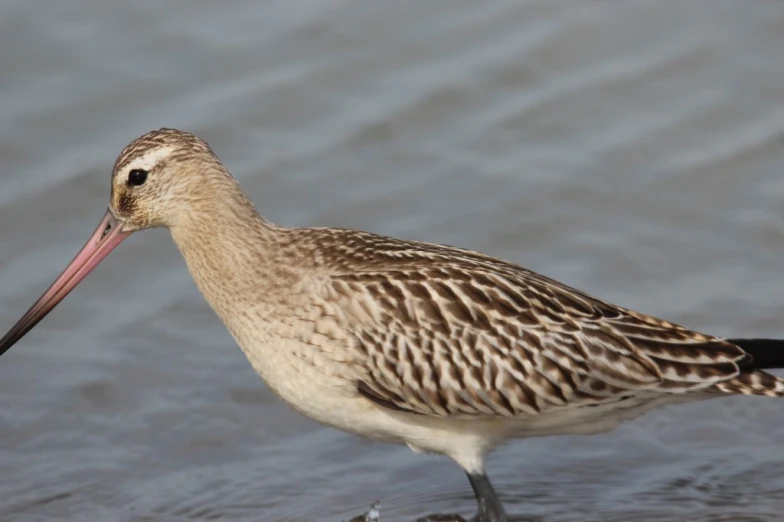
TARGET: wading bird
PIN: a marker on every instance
(444, 349)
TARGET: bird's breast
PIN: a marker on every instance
(304, 357)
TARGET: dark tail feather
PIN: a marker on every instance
(765, 353)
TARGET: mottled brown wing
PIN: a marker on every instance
(495, 340)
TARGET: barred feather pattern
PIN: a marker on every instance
(448, 332)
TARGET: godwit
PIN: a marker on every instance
(444, 349)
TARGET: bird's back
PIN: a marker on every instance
(448, 332)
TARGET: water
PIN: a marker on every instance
(631, 149)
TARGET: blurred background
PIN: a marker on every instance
(634, 150)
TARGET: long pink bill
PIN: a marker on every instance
(106, 237)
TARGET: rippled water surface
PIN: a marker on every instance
(632, 149)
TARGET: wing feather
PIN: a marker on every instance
(455, 333)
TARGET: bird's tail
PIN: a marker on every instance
(763, 354)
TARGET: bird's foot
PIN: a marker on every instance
(442, 518)
(490, 518)
(458, 518)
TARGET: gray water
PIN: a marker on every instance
(632, 149)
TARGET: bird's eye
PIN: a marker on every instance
(137, 177)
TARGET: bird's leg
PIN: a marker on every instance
(490, 507)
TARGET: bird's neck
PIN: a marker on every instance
(231, 251)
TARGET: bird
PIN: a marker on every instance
(444, 349)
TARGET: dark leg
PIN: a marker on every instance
(490, 508)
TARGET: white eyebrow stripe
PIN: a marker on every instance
(150, 159)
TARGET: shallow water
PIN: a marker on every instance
(631, 149)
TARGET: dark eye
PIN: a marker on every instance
(137, 177)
